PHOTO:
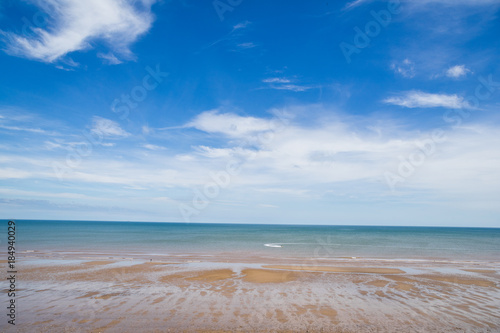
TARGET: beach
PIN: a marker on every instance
(105, 277)
(116, 294)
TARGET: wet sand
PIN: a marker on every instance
(375, 270)
(188, 295)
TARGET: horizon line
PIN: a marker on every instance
(248, 223)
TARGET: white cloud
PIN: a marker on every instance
(292, 87)
(106, 127)
(248, 45)
(321, 162)
(276, 80)
(153, 147)
(224, 152)
(77, 24)
(405, 68)
(241, 25)
(107, 144)
(457, 71)
(282, 83)
(299, 160)
(420, 99)
(229, 124)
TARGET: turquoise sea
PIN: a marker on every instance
(294, 241)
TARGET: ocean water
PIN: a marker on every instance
(291, 241)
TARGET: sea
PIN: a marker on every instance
(265, 240)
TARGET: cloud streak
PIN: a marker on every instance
(420, 99)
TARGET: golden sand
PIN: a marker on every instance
(211, 276)
(404, 286)
(267, 276)
(378, 283)
(106, 296)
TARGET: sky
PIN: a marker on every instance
(235, 111)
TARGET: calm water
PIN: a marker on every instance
(295, 241)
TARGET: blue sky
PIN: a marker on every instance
(332, 112)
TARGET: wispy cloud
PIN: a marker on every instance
(110, 58)
(406, 68)
(248, 45)
(77, 25)
(107, 128)
(289, 191)
(339, 157)
(292, 87)
(457, 71)
(420, 99)
(276, 80)
(21, 121)
(27, 129)
(232, 36)
(153, 147)
(354, 4)
(223, 152)
(241, 25)
(283, 83)
(457, 2)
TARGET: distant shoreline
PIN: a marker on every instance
(263, 224)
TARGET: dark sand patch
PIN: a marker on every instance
(378, 283)
(267, 276)
(399, 278)
(114, 322)
(90, 294)
(107, 296)
(403, 286)
(158, 300)
(211, 276)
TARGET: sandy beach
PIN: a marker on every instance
(117, 294)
